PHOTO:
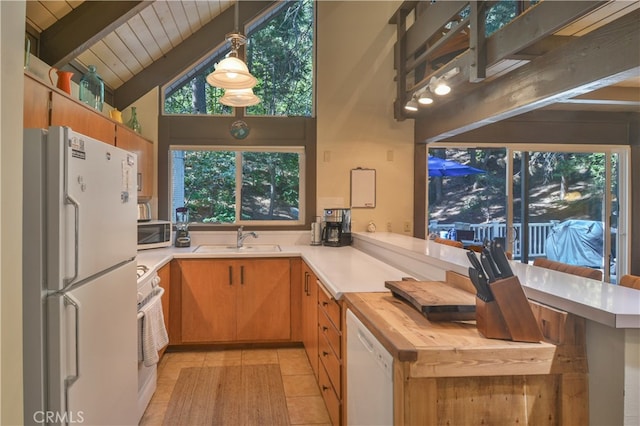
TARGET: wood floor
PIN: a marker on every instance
(305, 405)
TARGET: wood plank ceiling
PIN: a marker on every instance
(136, 45)
(144, 38)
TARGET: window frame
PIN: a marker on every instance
(220, 51)
(624, 189)
(300, 150)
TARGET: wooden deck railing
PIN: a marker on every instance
(538, 233)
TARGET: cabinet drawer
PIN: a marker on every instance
(330, 306)
(327, 328)
(331, 363)
(330, 399)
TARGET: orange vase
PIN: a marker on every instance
(64, 80)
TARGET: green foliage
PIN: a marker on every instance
(209, 185)
(279, 55)
(270, 185)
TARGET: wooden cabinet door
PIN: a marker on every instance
(80, 118)
(310, 316)
(264, 299)
(37, 98)
(208, 301)
(131, 141)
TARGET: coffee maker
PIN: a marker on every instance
(337, 227)
(182, 228)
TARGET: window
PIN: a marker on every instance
(223, 185)
(280, 52)
(569, 205)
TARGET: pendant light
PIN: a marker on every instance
(232, 72)
(239, 98)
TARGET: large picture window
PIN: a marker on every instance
(222, 185)
(280, 53)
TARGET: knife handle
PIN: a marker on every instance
(487, 264)
(501, 260)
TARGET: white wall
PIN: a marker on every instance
(12, 27)
(355, 124)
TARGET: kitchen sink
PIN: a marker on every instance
(247, 248)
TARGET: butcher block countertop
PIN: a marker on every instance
(443, 348)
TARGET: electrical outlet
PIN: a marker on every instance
(407, 226)
(388, 226)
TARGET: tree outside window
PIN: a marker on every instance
(279, 54)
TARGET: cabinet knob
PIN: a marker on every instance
(325, 329)
(324, 388)
(325, 303)
(325, 353)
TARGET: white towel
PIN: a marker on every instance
(154, 333)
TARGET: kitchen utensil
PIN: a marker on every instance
(488, 269)
(316, 234)
(500, 258)
(474, 260)
(436, 300)
(479, 278)
(487, 252)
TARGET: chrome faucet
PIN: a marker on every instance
(242, 236)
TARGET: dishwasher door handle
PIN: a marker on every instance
(367, 344)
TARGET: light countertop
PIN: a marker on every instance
(608, 304)
(378, 257)
(340, 269)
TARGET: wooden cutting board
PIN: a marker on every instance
(436, 300)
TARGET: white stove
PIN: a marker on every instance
(148, 290)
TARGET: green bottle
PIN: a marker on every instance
(91, 89)
(133, 122)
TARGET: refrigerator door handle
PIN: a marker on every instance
(71, 379)
(76, 240)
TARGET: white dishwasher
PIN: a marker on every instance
(369, 377)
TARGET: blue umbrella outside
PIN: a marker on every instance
(441, 167)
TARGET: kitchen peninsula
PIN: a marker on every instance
(376, 258)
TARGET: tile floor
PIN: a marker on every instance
(304, 402)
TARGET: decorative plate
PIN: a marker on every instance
(239, 129)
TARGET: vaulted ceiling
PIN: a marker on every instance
(138, 45)
(135, 45)
(556, 55)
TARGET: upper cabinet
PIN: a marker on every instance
(45, 106)
(68, 112)
(37, 98)
(133, 142)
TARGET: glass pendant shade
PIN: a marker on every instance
(231, 73)
(239, 98)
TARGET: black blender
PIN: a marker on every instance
(182, 238)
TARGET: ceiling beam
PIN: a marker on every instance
(598, 59)
(80, 29)
(534, 25)
(556, 127)
(187, 53)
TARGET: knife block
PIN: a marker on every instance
(509, 316)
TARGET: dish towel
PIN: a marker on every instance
(154, 333)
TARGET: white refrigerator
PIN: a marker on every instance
(79, 280)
